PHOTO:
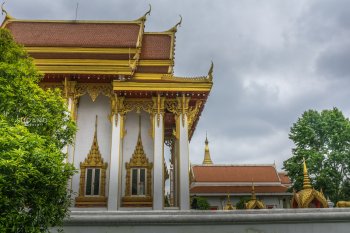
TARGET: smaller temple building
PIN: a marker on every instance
(218, 181)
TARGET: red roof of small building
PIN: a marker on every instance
(238, 189)
(284, 178)
(75, 34)
(235, 173)
(238, 179)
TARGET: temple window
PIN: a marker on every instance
(92, 178)
(92, 183)
(138, 186)
(138, 180)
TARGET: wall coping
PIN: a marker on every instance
(195, 217)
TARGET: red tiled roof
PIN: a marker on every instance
(238, 189)
(235, 173)
(153, 69)
(155, 46)
(284, 178)
(63, 34)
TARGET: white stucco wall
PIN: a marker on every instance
(87, 111)
(130, 140)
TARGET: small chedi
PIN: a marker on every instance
(308, 197)
(228, 205)
(254, 203)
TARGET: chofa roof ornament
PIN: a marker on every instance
(174, 28)
(143, 18)
(3, 11)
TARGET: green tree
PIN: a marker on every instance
(34, 127)
(323, 139)
(241, 203)
(202, 203)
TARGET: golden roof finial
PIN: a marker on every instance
(253, 191)
(307, 184)
(210, 72)
(174, 29)
(7, 15)
(228, 205)
(207, 159)
(144, 17)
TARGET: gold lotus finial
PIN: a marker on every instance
(307, 183)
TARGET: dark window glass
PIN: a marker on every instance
(142, 182)
(97, 182)
(88, 181)
(134, 182)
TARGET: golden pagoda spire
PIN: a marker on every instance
(253, 191)
(228, 205)
(207, 160)
(307, 184)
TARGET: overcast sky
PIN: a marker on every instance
(273, 60)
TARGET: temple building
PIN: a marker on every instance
(308, 197)
(223, 183)
(128, 105)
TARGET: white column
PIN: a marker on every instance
(158, 162)
(114, 165)
(184, 192)
(68, 148)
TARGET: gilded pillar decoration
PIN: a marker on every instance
(92, 185)
(158, 107)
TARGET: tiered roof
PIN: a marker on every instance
(138, 64)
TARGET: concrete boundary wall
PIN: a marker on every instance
(275, 220)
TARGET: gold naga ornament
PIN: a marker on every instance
(308, 197)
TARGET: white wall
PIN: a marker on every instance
(130, 140)
(220, 201)
(87, 111)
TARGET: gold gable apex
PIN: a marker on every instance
(94, 158)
